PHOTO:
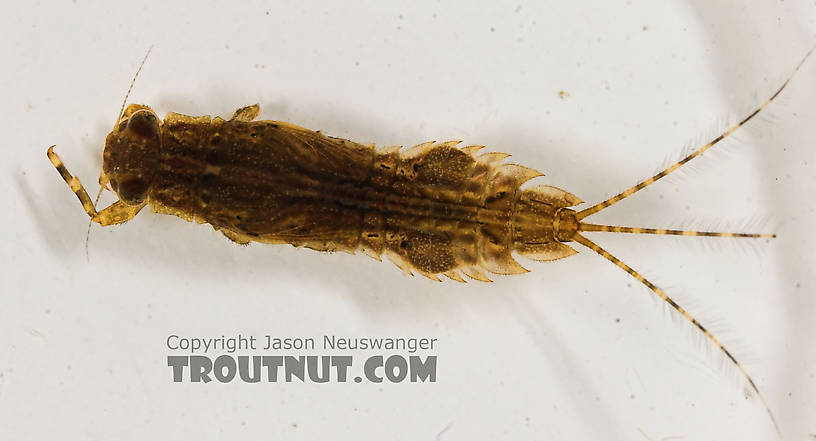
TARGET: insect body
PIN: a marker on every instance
(434, 209)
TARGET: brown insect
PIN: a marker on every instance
(435, 209)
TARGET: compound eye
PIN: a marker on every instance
(132, 189)
(144, 124)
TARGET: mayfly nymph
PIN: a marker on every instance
(434, 209)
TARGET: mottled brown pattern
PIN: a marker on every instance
(432, 209)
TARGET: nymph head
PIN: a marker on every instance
(132, 154)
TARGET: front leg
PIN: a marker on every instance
(116, 213)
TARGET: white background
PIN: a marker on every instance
(537, 356)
